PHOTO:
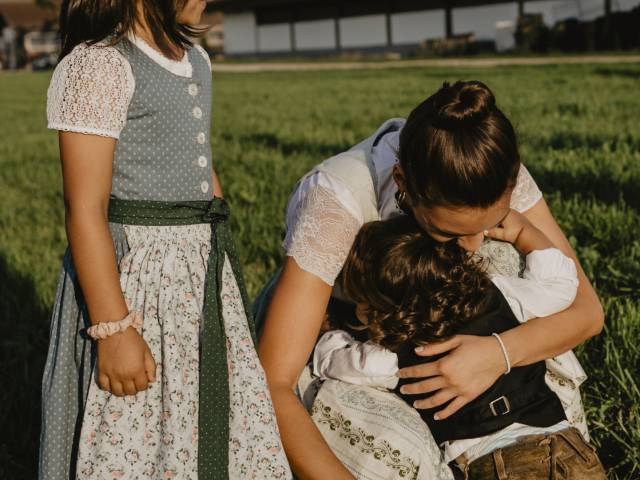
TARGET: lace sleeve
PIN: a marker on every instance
(320, 232)
(90, 91)
(526, 192)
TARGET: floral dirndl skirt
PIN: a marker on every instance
(154, 434)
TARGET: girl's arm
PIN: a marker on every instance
(215, 182)
(549, 282)
(475, 363)
(293, 321)
(125, 364)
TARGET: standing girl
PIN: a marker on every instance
(151, 371)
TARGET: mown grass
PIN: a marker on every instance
(578, 127)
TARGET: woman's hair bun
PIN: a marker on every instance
(462, 104)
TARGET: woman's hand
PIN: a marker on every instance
(472, 365)
(125, 363)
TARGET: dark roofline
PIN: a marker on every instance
(379, 6)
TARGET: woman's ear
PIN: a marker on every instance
(398, 177)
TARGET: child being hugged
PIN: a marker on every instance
(152, 371)
(410, 290)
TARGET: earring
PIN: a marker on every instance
(401, 197)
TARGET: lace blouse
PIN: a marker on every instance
(323, 217)
(91, 88)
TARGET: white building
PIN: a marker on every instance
(254, 27)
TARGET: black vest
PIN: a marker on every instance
(522, 396)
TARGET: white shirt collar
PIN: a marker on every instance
(181, 68)
(384, 157)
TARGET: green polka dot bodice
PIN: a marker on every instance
(164, 150)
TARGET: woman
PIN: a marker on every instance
(454, 165)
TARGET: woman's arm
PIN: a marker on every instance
(125, 364)
(475, 363)
(584, 319)
(293, 321)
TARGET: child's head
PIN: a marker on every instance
(458, 162)
(408, 287)
(171, 22)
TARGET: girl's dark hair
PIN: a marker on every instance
(94, 20)
(457, 148)
(414, 288)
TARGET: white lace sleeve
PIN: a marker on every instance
(526, 192)
(320, 229)
(90, 91)
(204, 54)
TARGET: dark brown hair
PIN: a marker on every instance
(414, 288)
(457, 148)
(94, 20)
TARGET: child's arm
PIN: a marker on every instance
(549, 285)
(125, 363)
(217, 188)
(339, 356)
(519, 231)
(550, 281)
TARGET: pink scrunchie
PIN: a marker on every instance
(106, 329)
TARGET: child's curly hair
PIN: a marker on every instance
(414, 288)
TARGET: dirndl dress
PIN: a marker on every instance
(164, 273)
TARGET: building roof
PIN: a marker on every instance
(362, 5)
(277, 11)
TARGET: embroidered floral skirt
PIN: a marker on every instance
(154, 434)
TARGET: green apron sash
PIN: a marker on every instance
(213, 421)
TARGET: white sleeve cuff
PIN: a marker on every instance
(549, 285)
(338, 356)
(548, 264)
(86, 130)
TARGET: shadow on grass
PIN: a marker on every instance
(24, 336)
(577, 140)
(617, 72)
(272, 141)
(604, 187)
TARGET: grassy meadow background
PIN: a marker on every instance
(579, 133)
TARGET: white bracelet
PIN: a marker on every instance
(504, 352)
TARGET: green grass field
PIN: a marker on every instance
(578, 127)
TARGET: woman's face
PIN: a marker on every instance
(466, 225)
(191, 13)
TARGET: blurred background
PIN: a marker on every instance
(298, 81)
(253, 29)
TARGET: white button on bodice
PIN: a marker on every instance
(197, 112)
(201, 138)
(202, 161)
(204, 186)
(193, 89)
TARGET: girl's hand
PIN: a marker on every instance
(519, 231)
(472, 365)
(125, 363)
(510, 228)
